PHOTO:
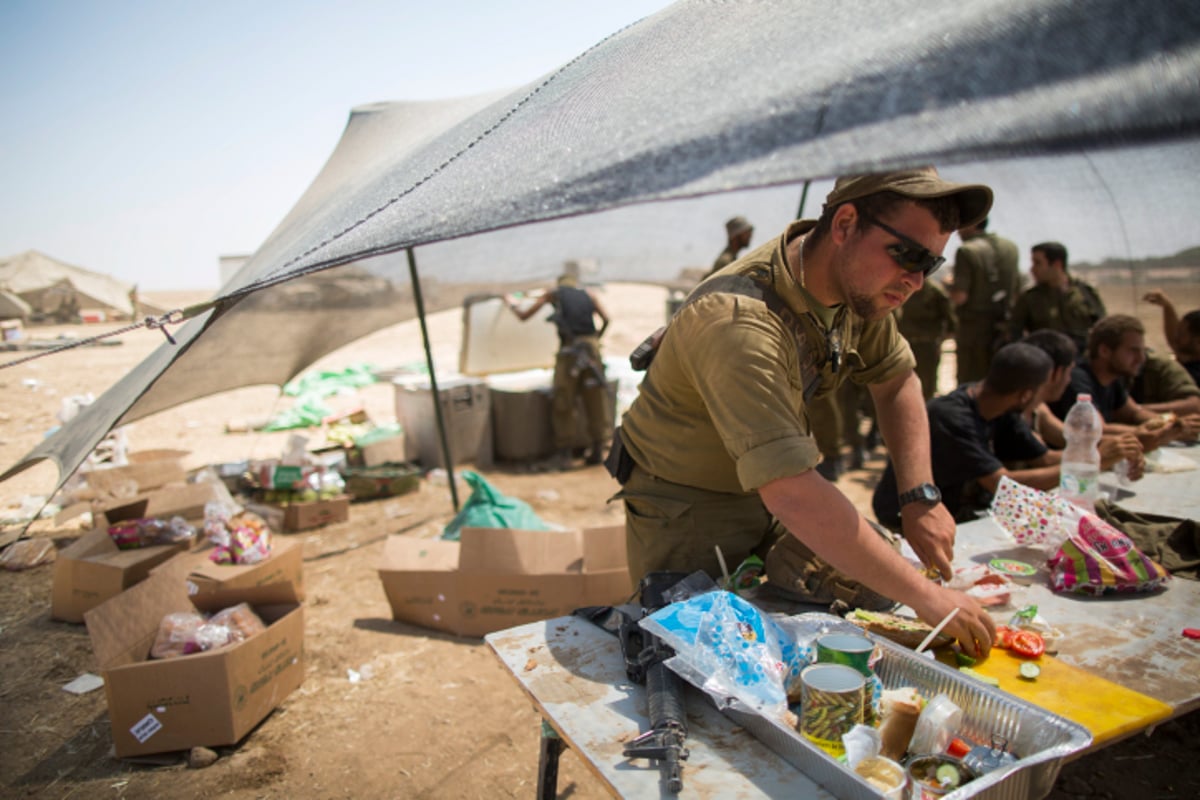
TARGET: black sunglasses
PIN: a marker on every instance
(911, 256)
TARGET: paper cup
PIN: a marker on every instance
(831, 703)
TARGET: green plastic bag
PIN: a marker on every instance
(487, 507)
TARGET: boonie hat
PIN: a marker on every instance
(924, 183)
(736, 225)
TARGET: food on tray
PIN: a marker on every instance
(882, 773)
(901, 630)
(901, 708)
(941, 774)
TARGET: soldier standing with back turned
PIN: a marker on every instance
(985, 288)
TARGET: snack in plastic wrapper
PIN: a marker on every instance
(736, 649)
(241, 621)
(177, 635)
(244, 539)
(132, 534)
(1098, 559)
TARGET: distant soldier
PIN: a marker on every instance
(737, 232)
(985, 288)
(926, 320)
(578, 367)
(1057, 301)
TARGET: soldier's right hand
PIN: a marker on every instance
(971, 626)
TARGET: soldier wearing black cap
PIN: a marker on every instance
(719, 449)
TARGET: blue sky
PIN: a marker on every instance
(144, 139)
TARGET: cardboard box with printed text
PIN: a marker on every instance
(497, 578)
(207, 699)
(92, 568)
(204, 578)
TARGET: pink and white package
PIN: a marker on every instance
(1032, 517)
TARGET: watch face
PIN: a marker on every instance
(925, 493)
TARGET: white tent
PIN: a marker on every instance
(53, 288)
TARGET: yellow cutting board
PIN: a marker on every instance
(1108, 710)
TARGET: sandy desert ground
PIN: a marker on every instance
(438, 716)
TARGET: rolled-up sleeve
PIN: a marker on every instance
(745, 367)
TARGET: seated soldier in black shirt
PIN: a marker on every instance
(976, 428)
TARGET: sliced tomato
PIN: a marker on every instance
(1004, 636)
(1027, 643)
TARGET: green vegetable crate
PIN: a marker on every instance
(381, 480)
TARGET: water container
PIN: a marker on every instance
(1080, 476)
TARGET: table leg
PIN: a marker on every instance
(552, 747)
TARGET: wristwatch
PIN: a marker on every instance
(925, 493)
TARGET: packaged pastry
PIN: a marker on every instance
(177, 635)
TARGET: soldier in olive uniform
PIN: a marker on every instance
(737, 232)
(985, 288)
(1058, 301)
(1163, 386)
(925, 320)
(717, 449)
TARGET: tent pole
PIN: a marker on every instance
(437, 398)
(803, 200)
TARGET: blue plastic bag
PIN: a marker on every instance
(740, 651)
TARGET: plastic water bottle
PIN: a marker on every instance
(1080, 477)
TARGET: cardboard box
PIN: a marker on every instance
(147, 469)
(391, 450)
(92, 569)
(205, 699)
(466, 413)
(203, 578)
(498, 578)
(303, 516)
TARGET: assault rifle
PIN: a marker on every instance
(644, 657)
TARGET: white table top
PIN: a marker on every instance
(573, 672)
(1168, 494)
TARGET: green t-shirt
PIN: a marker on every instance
(722, 406)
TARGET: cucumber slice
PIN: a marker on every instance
(979, 676)
(1030, 670)
(948, 776)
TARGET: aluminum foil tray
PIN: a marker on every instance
(1042, 740)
